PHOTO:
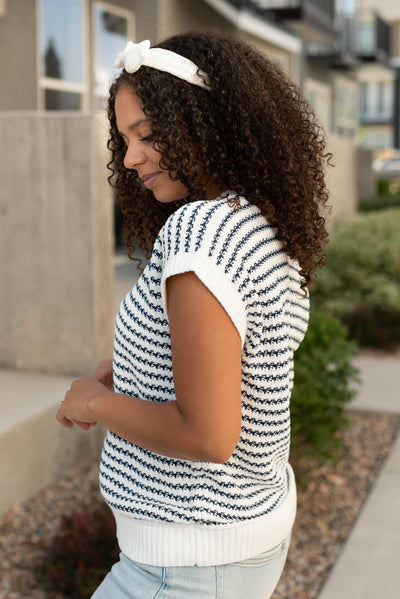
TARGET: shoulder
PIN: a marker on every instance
(206, 223)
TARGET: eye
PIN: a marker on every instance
(147, 137)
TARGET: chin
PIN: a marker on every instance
(164, 200)
(167, 191)
(169, 198)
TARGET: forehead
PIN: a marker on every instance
(128, 108)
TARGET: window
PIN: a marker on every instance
(366, 38)
(319, 96)
(364, 99)
(345, 7)
(380, 107)
(377, 140)
(112, 30)
(346, 107)
(388, 99)
(62, 57)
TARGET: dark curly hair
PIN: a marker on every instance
(253, 132)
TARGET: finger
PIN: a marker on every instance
(83, 425)
(63, 420)
(103, 372)
(75, 383)
(66, 422)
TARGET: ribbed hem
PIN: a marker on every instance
(214, 278)
(171, 545)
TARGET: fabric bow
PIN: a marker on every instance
(132, 56)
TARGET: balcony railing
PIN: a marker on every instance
(313, 18)
(364, 36)
(358, 36)
(321, 7)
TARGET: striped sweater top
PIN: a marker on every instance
(172, 512)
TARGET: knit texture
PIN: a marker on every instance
(237, 255)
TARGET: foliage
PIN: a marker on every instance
(383, 186)
(386, 196)
(361, 284)
(380, 202)
(80, 554)
(322, 386)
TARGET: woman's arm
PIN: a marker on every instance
(204, 422)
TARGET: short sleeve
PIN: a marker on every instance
(193, 240)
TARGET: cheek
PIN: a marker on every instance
(154, 156)
(171, 191)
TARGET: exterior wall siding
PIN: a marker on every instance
(18, 65)
(56, 301)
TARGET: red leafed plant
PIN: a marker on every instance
(80, 554)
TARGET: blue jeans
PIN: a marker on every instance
(254, 578)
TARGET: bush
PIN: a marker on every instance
(80, 554)
(380, 202)
(361, 283)
(387, 196)
(322, 386)
(383, 186)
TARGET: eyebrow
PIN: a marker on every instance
(133, 126)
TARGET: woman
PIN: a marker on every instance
(218, 163)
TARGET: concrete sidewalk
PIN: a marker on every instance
(368, 566)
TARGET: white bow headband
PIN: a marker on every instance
(136, 55)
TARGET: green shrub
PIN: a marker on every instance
(323, 385)
(380, 202)
(382, 186)
(361, 283)
(387, 195)
(80, 554)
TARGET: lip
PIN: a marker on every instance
(149, 180)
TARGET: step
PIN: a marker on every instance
(35, 449)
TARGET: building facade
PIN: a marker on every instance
(66, 59)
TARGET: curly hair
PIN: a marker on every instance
(253, 132)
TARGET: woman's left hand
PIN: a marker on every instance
(75, 408)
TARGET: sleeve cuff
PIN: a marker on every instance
(215, 279)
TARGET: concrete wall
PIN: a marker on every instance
(56, 301)
(342, 181)
(35, 450)
(18, 64)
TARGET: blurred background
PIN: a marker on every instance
(62, 263)
(61, 232)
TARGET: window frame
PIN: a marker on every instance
(126, 13)
(346, 105)
(365, 92)
(61, 85)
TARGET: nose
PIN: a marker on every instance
(133, 156)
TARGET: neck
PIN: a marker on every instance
(213, 189)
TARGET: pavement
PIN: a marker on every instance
(369, 564)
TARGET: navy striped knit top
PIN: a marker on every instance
(179, 512)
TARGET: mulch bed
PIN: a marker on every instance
(329, 500)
